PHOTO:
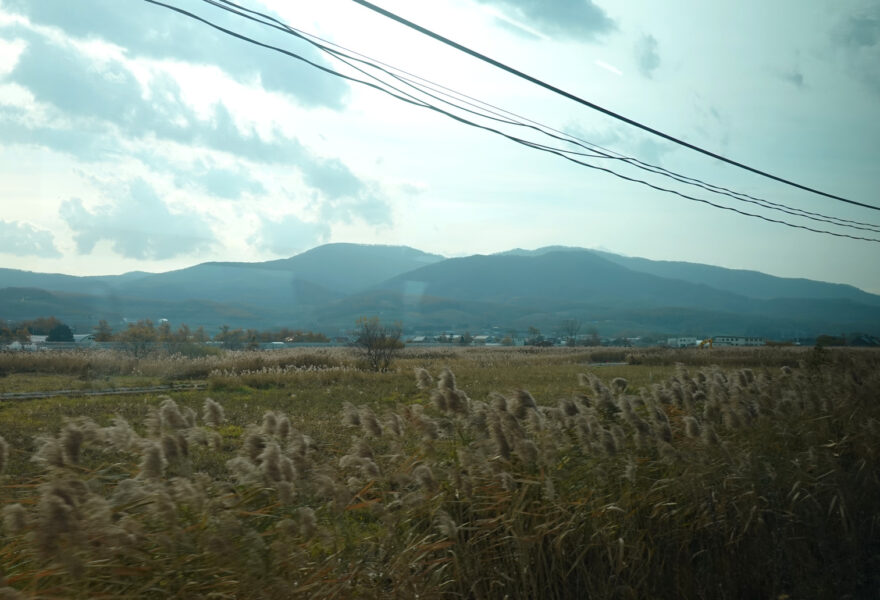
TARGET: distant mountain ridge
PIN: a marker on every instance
(327, 288)
(752, 284)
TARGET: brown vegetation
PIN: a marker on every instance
(717, 482)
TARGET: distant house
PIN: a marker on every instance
(419, 339)
(734, 340)
(34, 343)
(482, 340)
(681, 342)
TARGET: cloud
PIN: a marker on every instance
(368, 207)
(346, 197)
(794, 77)
(574, 19)
(289, 235)
(23, 239)
(90, 143)
(139, 226)
(332, 177)
(861, 31)
(859, 38)
(97, 110)
(228, 183)
(92, 98)
(150, 31)
(218, 181)
(625, 140)
(647, 58)
(80, 87)
(97, 103)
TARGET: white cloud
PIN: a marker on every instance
(577, 19)
(23, 239)
(289, 235)
(859, 36)
(139, 225)
(150, 31)
(647, 58)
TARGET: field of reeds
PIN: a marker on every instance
(467, 473)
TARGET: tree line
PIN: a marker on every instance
(54, 329)
(142, 336)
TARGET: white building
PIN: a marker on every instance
(681, 342)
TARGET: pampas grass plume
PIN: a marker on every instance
(496, 432)
(308, 522)
(169, 448)
(710, 438)
(369, 422)
(270, 423)
(169, 414)
(71, 443)
(253, 445)
(424, 380)
(212, 413)
(446, 381)
(152, 463)
(691, 427)
(283, 428)
(423, 474)
(270, 462)
(49, 453)
(527, 452)
(446, 525)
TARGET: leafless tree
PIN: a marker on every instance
(377, 343)
(570, 328)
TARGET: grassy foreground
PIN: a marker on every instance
(741, 474)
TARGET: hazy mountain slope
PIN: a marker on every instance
(422, 312)
(314, 277)
(94, 285)
(83, 312)
(229, 282)
(311, 278)
(752, 284)
(555, 279)
(553, 285)
(353, 267)
(330, 287)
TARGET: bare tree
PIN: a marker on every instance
(570, 328)
(377, 343)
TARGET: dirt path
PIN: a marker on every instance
(107, 392)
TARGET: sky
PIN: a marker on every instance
(135, 138)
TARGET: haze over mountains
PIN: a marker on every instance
(329, 287)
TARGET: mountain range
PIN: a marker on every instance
(329, 287)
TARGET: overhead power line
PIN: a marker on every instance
(505, 116)
(592, 105)
(410, 99)
(501, 115)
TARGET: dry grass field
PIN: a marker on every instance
(460, 473)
